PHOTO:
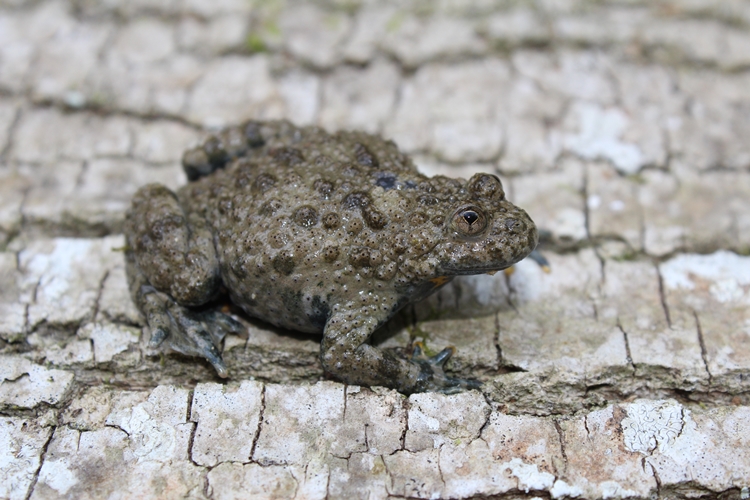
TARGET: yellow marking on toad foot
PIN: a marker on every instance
(440, 281)
(512, 269)
(427, 352)
(421, 346)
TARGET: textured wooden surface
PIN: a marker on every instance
(622, 127)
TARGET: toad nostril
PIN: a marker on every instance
(512, 224)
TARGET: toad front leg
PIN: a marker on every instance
(345, 354)
(172, 270)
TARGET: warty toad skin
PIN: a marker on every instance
(314, 232)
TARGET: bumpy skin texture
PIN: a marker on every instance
(315, 232)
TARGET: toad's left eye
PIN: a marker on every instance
(469, 221)
(470, 217)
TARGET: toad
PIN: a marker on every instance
(314, 232)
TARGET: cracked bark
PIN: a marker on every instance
(561, 437)
(627, 347)
(656, 478)
(11, 134)
(586, 426)
(188, 419)
(261, 417)
(439, 468)
(95, 312)
(663, 297)
(702, 343)
(42, 457)
(402, 439)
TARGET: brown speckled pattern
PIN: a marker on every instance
(314, 232)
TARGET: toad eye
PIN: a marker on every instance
(469, 221)
(470, 216)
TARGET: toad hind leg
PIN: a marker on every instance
(172, 267)
(432, 375)
(345, 354)
(187, 331)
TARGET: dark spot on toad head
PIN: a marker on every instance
(427, 200)
(410, 185)
(270, 207)
(225, 206)
(331, 220)
(195, 164)
(215, 151)
(359, 256)
(252, 134)
(166, 226)
(324, 187)
(386, 181)
(284, 263)
(418, 219)
(354, 226)
(287, 156)
(323, 161)
(357, 199)
(278, 239)
(365, 157)
(244, 172)
(264, 182)
(351, 170)
(330, 253)
(305, 216)
(374, 218)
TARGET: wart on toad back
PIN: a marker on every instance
(316, 232)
